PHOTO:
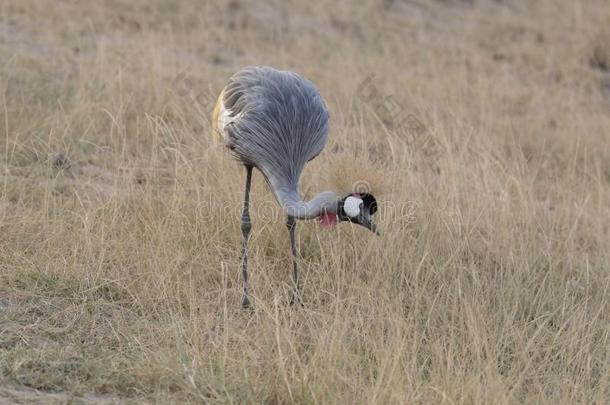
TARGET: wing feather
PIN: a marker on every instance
(274, 120)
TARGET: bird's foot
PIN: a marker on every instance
(245, 302)
(296, 299)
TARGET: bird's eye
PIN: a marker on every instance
(370, 203)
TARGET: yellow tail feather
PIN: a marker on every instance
(217, 131)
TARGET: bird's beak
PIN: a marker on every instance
(368, 223)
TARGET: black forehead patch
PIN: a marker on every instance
(370, 202)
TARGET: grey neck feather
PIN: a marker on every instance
(325, 201)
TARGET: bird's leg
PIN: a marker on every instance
(292, 225)
(246, 225)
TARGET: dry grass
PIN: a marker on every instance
(119, 258)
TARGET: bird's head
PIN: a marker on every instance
(355, 208)
(359, 209)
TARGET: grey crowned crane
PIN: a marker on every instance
(277, 121)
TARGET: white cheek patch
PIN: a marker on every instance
(351, 206)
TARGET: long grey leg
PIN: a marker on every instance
(292, 225)
(246, 225)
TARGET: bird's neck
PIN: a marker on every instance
(324, 202)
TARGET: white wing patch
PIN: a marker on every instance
(225, 117)
(351, 206)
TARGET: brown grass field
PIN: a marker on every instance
(483, 127)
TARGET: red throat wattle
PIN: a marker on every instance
(328, 220)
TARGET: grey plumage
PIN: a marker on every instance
(282, 124)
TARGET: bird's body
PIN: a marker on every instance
(277, 121)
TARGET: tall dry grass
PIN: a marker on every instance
(119, 238)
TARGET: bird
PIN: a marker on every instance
(276, 121)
